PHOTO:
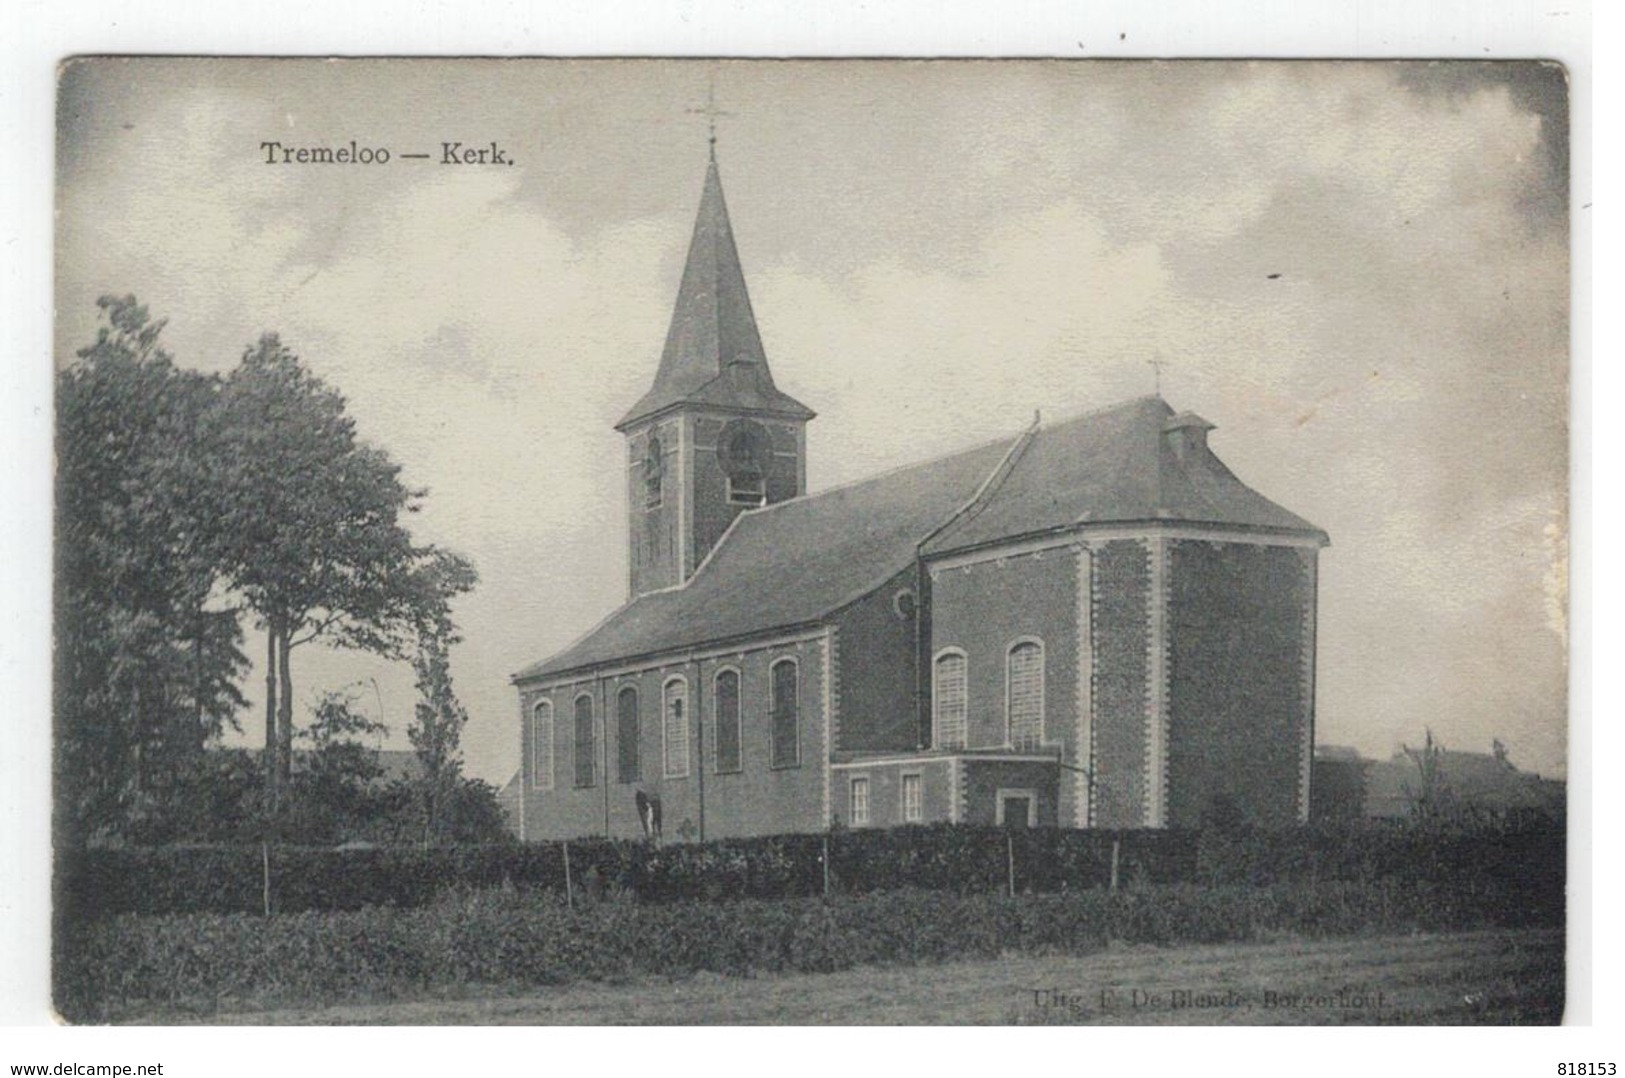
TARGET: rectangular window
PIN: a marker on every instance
(627, 732)
(674, 729)
(860, 802)
(786, 714)
(913, 803)
(586, 744)
(726, 701)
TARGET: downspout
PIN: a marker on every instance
(603, 699)
(527, 732)
(699, 733)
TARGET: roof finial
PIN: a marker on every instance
(711, 112)
(1156, 368)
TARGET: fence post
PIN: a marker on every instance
(569, 886)
(265, 877)
(1115, 842)
(826, 864)
(1010, 860)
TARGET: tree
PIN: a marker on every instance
(318, 550)
(1431, 798)
(334, 787)
(437, 728)
(146, 647)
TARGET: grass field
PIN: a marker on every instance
(1487, 977)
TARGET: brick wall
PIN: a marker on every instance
(886, 792)
(1121, 582)
(984, 779)
(759, 799)
(712, 512)
(877, 672)
(652, 535)
(986, 607)
(1237, 713)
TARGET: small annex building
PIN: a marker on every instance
(1089, 623)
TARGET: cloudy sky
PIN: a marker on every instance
(934, 250)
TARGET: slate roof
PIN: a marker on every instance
(791, 563)
(795, 562)
(1467, 779)
(713, 354)
(1116, 465)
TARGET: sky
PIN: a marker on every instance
(1357, 271)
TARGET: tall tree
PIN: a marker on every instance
(437, 729)
(317, 546)
(146, 649)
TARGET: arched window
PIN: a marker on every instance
(627, 733)
(674, 728)
(725, 701)
(786, 688)
(950, 707)
(541, 745)
(1024, 694)
(654, 473)
(586, 747)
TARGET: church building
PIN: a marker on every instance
(1089, 623)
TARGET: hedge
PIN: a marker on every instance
(523, 939)
(952, 858)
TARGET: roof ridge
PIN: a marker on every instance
(802, 499)
(1000, 472)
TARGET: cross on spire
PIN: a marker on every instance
(710, 111)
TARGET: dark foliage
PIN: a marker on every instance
(146, 646)
(1524, 863)
(527, 938)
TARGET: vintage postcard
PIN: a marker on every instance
(900, 542)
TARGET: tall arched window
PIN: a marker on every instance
(674, 728)
(541, 745)
(627, 733)
(586, 747)
(725, 701)
(950, 706)
(786, 725)
(1024, 694)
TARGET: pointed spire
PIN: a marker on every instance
(713, 352)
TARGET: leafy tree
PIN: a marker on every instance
(333, 788)
(317, 549)
(146, 649)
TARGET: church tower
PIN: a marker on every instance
(714, 436)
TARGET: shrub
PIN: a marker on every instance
(527, 937)
(957, 859)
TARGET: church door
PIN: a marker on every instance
(1016, 809)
